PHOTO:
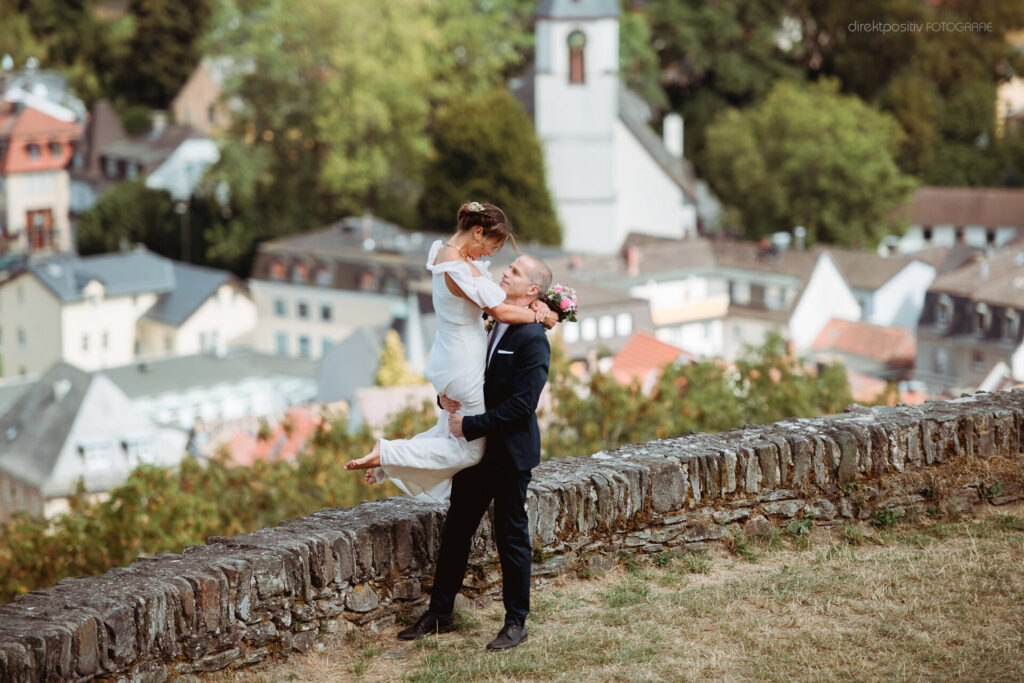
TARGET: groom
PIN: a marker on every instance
(517, 369)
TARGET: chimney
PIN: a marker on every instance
(799, 235)
(633, 261)
(61, 387)
(157, 124)
(672, 134)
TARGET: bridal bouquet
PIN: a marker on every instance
(562, 300)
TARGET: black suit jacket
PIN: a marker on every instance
(512, 384)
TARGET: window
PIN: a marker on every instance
(325, 345)
(941, 362)
(1011, 325)
(367, 281)
(132, 171)
(304, 346)
(977, 361)
(302, 310)
(588, 329)
(22, 339)
(577, 41)
(570, 332)
(741, 293)
(606, 326)
(926, 233)
(773, 297)
(990, 237)
(33, 150)
(109, 167)
(95, 455)
(277, 271)
(300, 273)
(623, 324)
(281, 343)
(280, 308)
(959, 232)
(943, 312)
(85, 343)
(326, 313)
(982, 319)
(323, 277)
(139, 451)
(56, 149)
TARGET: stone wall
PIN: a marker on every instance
(308, 582)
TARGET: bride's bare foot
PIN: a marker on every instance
(371, 478)
(367, 462)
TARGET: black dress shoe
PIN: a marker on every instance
(509, 636)
(427, 624)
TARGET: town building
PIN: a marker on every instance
(971, 322)
(314, 290)
(112, 309)
(37, 139)
(982, 217)
(69, 427)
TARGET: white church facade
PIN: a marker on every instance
(608, 172)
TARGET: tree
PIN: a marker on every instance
(163, 49)
(716, 55)
(393, 370)
(486, 150)
(768, 384)
(127, 214)
(335, 97)
(810, 157)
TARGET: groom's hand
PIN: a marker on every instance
(449, 405)
(455, 424)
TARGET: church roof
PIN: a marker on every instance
(634, 112)
(576, 9)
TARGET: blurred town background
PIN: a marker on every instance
(215, 214)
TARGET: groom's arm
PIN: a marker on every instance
(531, 373)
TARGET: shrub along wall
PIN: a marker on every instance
(236, 601)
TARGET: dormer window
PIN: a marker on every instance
(943, 312)
(56, 149)
(926, 233)
(300, 273)
(982, 319)
(277, 271)
(33, 150)
(323, 277)
(577, 41)
(1011, 325)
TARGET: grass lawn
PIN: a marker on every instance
(930, 600)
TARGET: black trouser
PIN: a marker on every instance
(473, 489)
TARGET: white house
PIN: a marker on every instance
(211, 389)
(112, 309)
(890, 290)
(73, 426)
(985, 217)
(608, 172)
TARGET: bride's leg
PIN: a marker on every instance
(368, 462)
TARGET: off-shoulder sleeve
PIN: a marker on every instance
(481, 290)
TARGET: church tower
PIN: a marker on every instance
(576, 88)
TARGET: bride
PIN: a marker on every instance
(461, 288)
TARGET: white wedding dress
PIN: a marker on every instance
(424, 465)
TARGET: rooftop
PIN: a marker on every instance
(961, 206)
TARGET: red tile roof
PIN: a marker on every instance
(642, 355)
(893, 346)
(21, 126)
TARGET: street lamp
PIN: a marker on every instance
(181, 208)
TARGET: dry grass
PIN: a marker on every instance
(932, 601)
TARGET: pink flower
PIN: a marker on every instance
(565, 304)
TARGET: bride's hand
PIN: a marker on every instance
(449, 405)
(544, 314)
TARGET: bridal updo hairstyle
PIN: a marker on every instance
(487, 216)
